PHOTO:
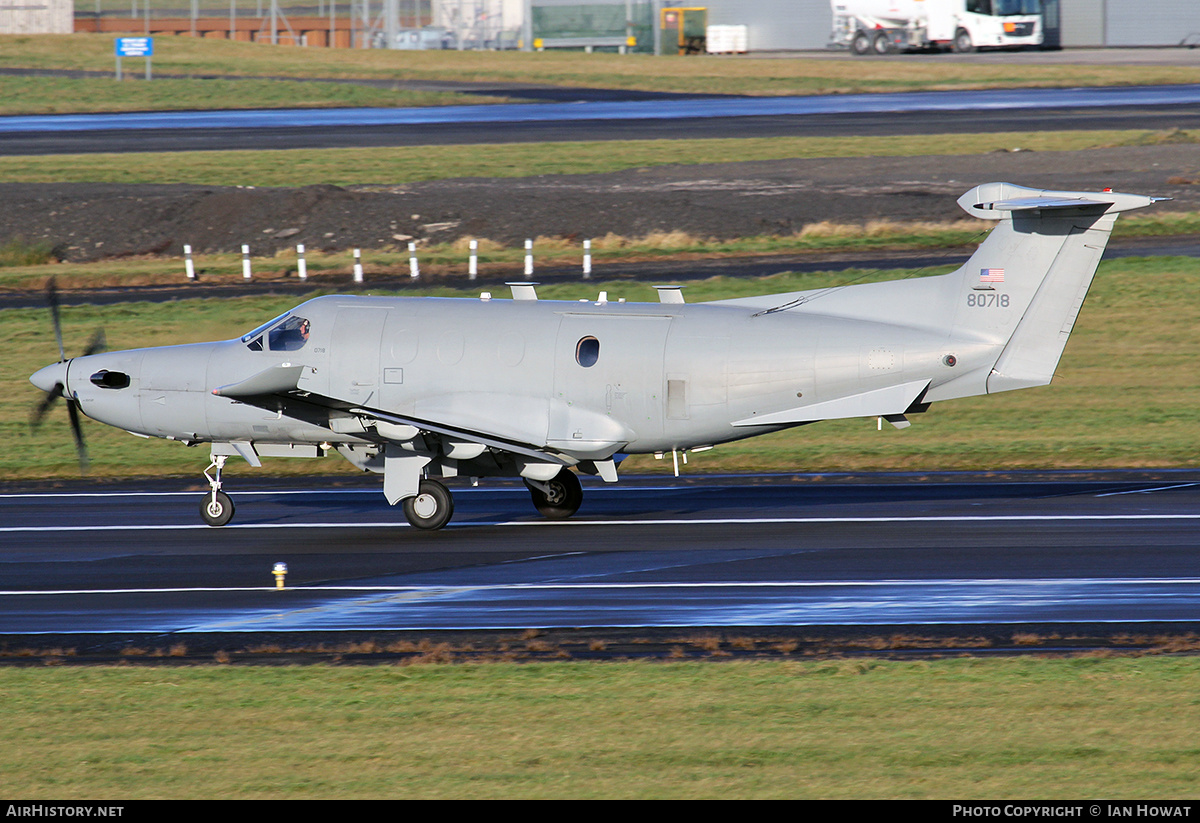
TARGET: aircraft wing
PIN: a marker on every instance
(277, 389)
(456, 433)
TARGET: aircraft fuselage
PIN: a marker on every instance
(580, 378)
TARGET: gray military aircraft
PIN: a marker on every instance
(425, 388)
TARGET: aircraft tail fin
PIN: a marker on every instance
(1026, 283)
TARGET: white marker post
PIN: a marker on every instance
(528, 257)
(414, 271)
(188, 266)
(301, 263)
(358, 272)
(473, 261)
(245, 262)
(587, 259)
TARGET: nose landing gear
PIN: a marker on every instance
(216, 509)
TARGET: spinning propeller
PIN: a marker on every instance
(58, 373)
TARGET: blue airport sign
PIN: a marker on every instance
(135, 46)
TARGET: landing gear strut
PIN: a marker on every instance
(558, 498)
(216, 509)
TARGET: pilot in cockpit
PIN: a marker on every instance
(290, 335)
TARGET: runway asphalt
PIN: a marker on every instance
(652, 552)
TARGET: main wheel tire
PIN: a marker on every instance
(861, 44)
(882, 44)
(962, 42)
(430, 508)
(216, 510)
(562, 498)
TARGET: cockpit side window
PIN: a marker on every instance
(289, 335)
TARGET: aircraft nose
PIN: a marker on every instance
(45, 379)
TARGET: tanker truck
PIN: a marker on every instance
(885, 26)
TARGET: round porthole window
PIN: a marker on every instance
(587, 351)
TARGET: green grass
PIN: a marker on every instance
(1125, 394)
(59, 95)
(696, 74)
(408, 164)
(18, 252)
(868, 729)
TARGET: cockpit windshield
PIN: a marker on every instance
(286, 332)
(246, 338)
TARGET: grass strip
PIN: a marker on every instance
(698, 74)
(1124, 395)
(58, 95)
(410, 164)
(871, 729)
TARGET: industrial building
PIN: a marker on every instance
(626, 25)
(786, 25)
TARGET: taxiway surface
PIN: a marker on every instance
(669, 117)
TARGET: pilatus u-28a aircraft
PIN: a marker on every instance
(424, 388)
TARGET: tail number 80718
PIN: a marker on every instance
(987, 300)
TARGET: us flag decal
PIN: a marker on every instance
(991, 275)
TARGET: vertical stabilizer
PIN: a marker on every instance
(1026, 283)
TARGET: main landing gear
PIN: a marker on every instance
(216, 509)
(431, 507)
(558, 498)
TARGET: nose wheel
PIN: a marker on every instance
(216, 509)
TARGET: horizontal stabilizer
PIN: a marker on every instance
(892, 400)
(1024, 203)
(992, 201)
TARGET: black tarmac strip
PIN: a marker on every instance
(714, 644)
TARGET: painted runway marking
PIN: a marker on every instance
(371, 492)
(1147, 491)
(435, 589)
(705, 521)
